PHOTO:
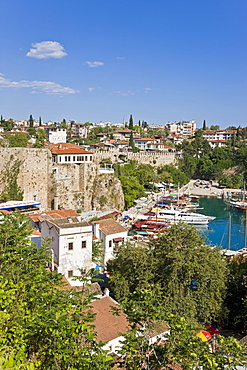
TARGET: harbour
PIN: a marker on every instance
(228, 229)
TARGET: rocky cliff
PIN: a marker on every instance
(107, 193)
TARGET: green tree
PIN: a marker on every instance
(131, 123)
(176, 175)
(181, 347)
(40, 138)
(40, 121)
(31, 131)
(19, 139)
(131, 189)
(178, 273)
(9, 181)
(214, 127)
(236, 299)
(204, 126)
(42, 323)
(131, 141)
(30, 121)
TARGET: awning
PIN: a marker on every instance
(116, 240)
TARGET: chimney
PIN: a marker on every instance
(55, 206)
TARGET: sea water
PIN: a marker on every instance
(229, 226)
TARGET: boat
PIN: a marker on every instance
(175, 216)
(242, 205)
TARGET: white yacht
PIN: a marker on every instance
(174, 216)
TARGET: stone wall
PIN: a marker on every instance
(76, 186)
(34, 176)
(73, 185)
(153, 158)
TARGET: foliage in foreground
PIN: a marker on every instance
(41, 325)
(181, 347)
(177, 274)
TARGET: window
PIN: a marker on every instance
(70, 246)
(66, 158)
(110, 243)
(91, 158)
(70, 273)
(86, 158)
(60, 159)
(73, 158)
(69, 158)
(83, 244)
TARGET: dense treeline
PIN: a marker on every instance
(201, 161)
(136, 178)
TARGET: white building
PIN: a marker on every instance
(70, 153)
(217, 143)
(112, 235)
(185, 128)
(56, 134)
(71, 245)
(79, 130)
(218, 135)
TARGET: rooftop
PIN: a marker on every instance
(109, 226)
(66, 222)
(107, 325)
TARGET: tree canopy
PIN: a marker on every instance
(179, 273)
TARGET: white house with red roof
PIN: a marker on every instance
(110, 328)
(123, 134)
(71, 245)
(112, 234)
(218, 134)
(150, 144)
(217, 143)
(70, 153)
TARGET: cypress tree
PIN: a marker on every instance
(131, 123)
(31, 121)
(204, 127)
(131, 142)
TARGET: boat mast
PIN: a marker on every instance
(229, 232)
(245, 231)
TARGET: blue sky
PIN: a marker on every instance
(159, 60)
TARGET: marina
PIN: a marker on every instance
(228, 229)
(221, 224)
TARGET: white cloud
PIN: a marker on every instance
(94, 64)
(121, 58)
(130, 92)
(124, 93)
(91, 89)
(37, 87)
(46, 49)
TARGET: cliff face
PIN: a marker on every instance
(61, 185)
(107, 193)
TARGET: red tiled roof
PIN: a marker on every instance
(144, 139)
(107, 325)
(121, 142)
(4, 211)
(70, 151)
(217, 141)
(54, 214)
(109, 226)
